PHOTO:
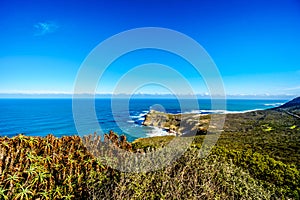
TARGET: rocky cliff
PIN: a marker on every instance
(178, 124)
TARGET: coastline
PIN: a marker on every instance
(158, 120)
(39, 117)
(173, 129)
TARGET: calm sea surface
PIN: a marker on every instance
(39, 117)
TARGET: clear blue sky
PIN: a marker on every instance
(255, 44)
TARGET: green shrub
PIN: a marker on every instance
(285, 177)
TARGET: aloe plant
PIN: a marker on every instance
(13, 179)
(3, 193)
(68, 197)
(45, 194)
(24, 193)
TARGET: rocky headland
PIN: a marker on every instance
(178, 124)
(286, 115)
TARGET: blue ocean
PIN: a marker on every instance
(39, 117)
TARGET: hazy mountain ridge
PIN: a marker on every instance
(291, 107)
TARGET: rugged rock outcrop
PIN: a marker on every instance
(178, 124)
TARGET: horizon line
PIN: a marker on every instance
(141, 95)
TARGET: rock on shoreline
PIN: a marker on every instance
(178, 124)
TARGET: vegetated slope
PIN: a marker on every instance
(272, 134)
(291, 107)
(62, 168)
(293, 104)
(275, 132)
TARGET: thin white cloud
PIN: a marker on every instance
(34, 92)
(293, 88)
(43, 28)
